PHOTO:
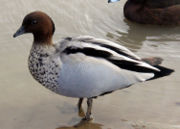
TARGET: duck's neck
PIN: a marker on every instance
(43, 39)
(42, 48)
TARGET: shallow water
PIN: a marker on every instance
(25, 104)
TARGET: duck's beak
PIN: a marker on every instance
(19, 32)
(111, 1)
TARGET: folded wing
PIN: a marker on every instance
(107, 50)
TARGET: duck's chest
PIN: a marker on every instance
(45, 69)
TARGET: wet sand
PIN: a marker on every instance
(25, 104)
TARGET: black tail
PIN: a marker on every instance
(156, 61)
(163, 72)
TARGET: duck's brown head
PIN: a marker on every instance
(40, 25)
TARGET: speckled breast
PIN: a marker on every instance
(44, 70)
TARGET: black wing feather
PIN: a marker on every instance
(124, 64)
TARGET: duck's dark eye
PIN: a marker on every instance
(34, 22)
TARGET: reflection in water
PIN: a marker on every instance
(84, 125)
(138, 33)
(132, 39)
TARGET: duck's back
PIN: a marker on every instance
(160, 12)
(161, 3)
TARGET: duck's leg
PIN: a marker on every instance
(80, 109)
(80, 103)
(89, 107)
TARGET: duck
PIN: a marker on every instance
(161, 12)
(83, 66)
